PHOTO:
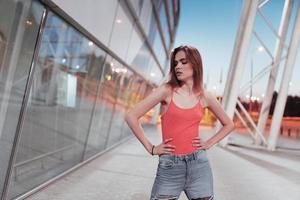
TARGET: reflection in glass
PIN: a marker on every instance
(164, 24)
(121, 31)
(146, 15)
(96, 16)
(170, 10)
(19, 25)
(104, 109)
(58, 115)
(138, 55)
(154, 73)
(121, 81)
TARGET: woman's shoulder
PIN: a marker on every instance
(166, 88)
(206, 97)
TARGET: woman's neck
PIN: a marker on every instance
(187, 89)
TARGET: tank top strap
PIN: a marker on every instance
(172, 96)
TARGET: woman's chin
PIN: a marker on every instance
(180, 78)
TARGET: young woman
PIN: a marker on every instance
(183, 163)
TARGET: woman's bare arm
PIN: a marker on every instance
(228, 125)
(132, 116)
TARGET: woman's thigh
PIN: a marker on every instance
(199, 178)
(170, 179)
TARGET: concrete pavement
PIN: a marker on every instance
(127, 172)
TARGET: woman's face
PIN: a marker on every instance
(183, 68)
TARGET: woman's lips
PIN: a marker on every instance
(178, 73)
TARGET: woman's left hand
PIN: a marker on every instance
(200, 144)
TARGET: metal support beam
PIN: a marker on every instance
(265, 109)
(251, 121)
(238, 59)
(283, 92)
(244, 123)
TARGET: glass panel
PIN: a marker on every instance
(158, 4)
(137, 5)
(176, 8)
(62, 96)
(121, 32)
(89, 13)
(163, 21)
(158, 49)
(19, 24)
(154, 73)
(155, 37)
(145, 17)
(120, 80)
(145, 90)
(112, 91)
(170, 9)
(134, 90)
(156, 42)
(138, 54)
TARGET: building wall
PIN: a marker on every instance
(68, 73)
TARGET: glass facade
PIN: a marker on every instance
(66, 82)
(19, 25)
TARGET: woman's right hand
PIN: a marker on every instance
(164, 148)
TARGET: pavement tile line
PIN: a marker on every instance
(127, 172)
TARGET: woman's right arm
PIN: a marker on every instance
(132, 116)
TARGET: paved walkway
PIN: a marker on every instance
(127, 173)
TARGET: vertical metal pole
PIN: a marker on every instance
(283, 92)
(251, 88)
(238, 59)
(265, 109)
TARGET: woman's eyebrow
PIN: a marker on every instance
(181, 59)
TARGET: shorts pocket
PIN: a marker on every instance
(165, 163)
(202, 157)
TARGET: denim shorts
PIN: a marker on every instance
(190, 173)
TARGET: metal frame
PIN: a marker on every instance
(251, 122)
(160, 30)
(286, 77)
(273, 68)
(168, 20)
(265, 109)
(140, 27)
(238, 60)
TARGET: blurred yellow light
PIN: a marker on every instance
(107, 77)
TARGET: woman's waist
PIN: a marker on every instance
(182, 149)
(183, 156)
(186, 134)
(179, 130)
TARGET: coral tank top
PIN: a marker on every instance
(181, 124)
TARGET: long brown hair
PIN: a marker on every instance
(193, 56)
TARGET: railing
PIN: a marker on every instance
(290, 131)
(41, 158)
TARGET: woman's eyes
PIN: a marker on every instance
(183, 62)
